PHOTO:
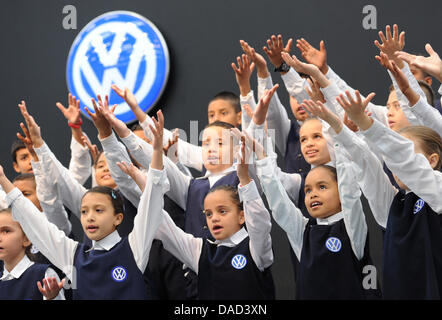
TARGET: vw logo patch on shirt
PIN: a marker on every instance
(333, 244)
(34, 249)
(239, 261)
(418, 206)
(121, 48)
(119, 274)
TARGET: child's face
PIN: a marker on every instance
(22, 163)
(29, 190)
(395, 115)
(13, 241)
(222, 110)
(102, 173)
(321, 194)
(298, 111)
(217, 149)
(313, 144)
(98, 216)
(223, 216)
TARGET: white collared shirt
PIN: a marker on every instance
(22, 266)
(106, 243)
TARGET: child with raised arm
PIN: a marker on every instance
(19, 275)
(112, 268)
(237, 264)
(412, 254)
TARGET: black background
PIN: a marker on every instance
(202, 37)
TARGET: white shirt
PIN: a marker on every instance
(60, 250)
(80, 163)
(187, 248)
(22, 266)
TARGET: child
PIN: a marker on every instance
(235, 265)
(19, 275)
(412, 216)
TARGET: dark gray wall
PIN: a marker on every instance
(202, 37)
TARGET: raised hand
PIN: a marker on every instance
(27, 141)
(275, 46)
(242, 168)
(157, 142)
(33, 131)
(315, 93)
(313, 55)
(130, 99)
(101, 123)
(318, 109)
(243, 73)
(260, 62)
(250, 143)
(391, 43)
(299, 66)
(50, 288)
(260, 113)
(171, 149)
(135, 173)
(355, 108)
(431, 64)
(93, 149)
(72, 112)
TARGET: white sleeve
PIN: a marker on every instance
(351, 206)
(277, 119)
(184, 246)
(3, 203)
(411, 168)
(68, 189)
(148, 217)
(250, 100)
(52, 242)
(49, 200)
(189, 154)
(428, 116)
(80, 164)
(258, 224)
(285, 213)
(295, 85)
(371, 177)
(114, 151)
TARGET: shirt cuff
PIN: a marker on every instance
(248, 192)
(42, 150)
(158, 177)
(130, 141)
(247, 97)
(330, 92)
(265, 167)
(12, 196)
(375, 132)
(291, 75)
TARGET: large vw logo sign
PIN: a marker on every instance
(121, 48)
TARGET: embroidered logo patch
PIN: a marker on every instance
(333, 244)
(34, 249)
(239, 261)
(418, 206)
(119, 274)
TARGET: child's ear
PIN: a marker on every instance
(239, 118)
(434, 159)
(241, 218)
(429, 80)
(16, 167)
(118, 219)
(26, 242)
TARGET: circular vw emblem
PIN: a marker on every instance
(121, 48)
(119, 274)
(34, 249)
(333, 244)
(418, 206)
(239, 261)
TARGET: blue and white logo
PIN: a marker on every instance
(121, 48)
(333, 244)
(239, 261)
(119, 274)
(418, 206)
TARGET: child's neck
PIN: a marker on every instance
(10, 264)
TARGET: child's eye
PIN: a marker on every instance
(223, 211)
(83, 211)
(208, 213)
(322, 187)
(307, 191)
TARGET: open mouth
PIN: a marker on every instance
(92, 229)
(106, 176)
(390, 123)
(311, 153)
(316, 204)
(301, 110)
(217, 229)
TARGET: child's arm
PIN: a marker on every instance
(257, 218)
(190, 155)
(80, 164)
(150, 220)
(68, 189)
(371, 177)
(398, 152)
(51, 241)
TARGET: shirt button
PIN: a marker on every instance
(299, 170)
(299, 155)
(204, 227)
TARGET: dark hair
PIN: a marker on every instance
(221, 124)
(24, 176)
(100, 152)
(230, 97)
(114, 195)
(16, 145)
(136, 127)
(233, 194)
(429, 93)
(431, 142)
(331, 169)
